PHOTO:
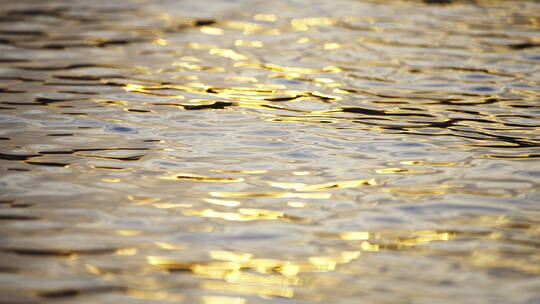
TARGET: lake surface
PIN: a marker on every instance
(246, 152)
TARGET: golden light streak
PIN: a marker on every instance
(228, 203)
(265, 17)
(211, 30)
(222, 300)
(227, 54)
(271, 194)
(202, 178)
(355, 235)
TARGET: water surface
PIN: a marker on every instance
(239, 152)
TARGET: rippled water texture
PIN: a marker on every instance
(243, 152)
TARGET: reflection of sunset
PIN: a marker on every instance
(269, 152)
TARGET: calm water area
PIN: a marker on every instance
(270, 152)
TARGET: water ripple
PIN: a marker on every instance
(256, 152)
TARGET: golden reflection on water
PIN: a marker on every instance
(223, 300)
(269, 152)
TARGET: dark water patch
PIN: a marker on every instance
(86, 77)
(17, 217)
(462, 103)
(220, 105)
(127, 158)
(382, 112)
(518, 156)
(12, 60)
(57, 11)
(17, 156)
(120, 129)
(11, 91)
(22, 33)
(47, 101)
(92, 150)
(283, 98)
(138, 111)
(109, 168)
(208, 145)
(67, 67)
(204, 22)
(8, 269)
(61, 134)
(48, 164)
(70, 293)
(524, 45)
(483, 89)
(14, 204)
